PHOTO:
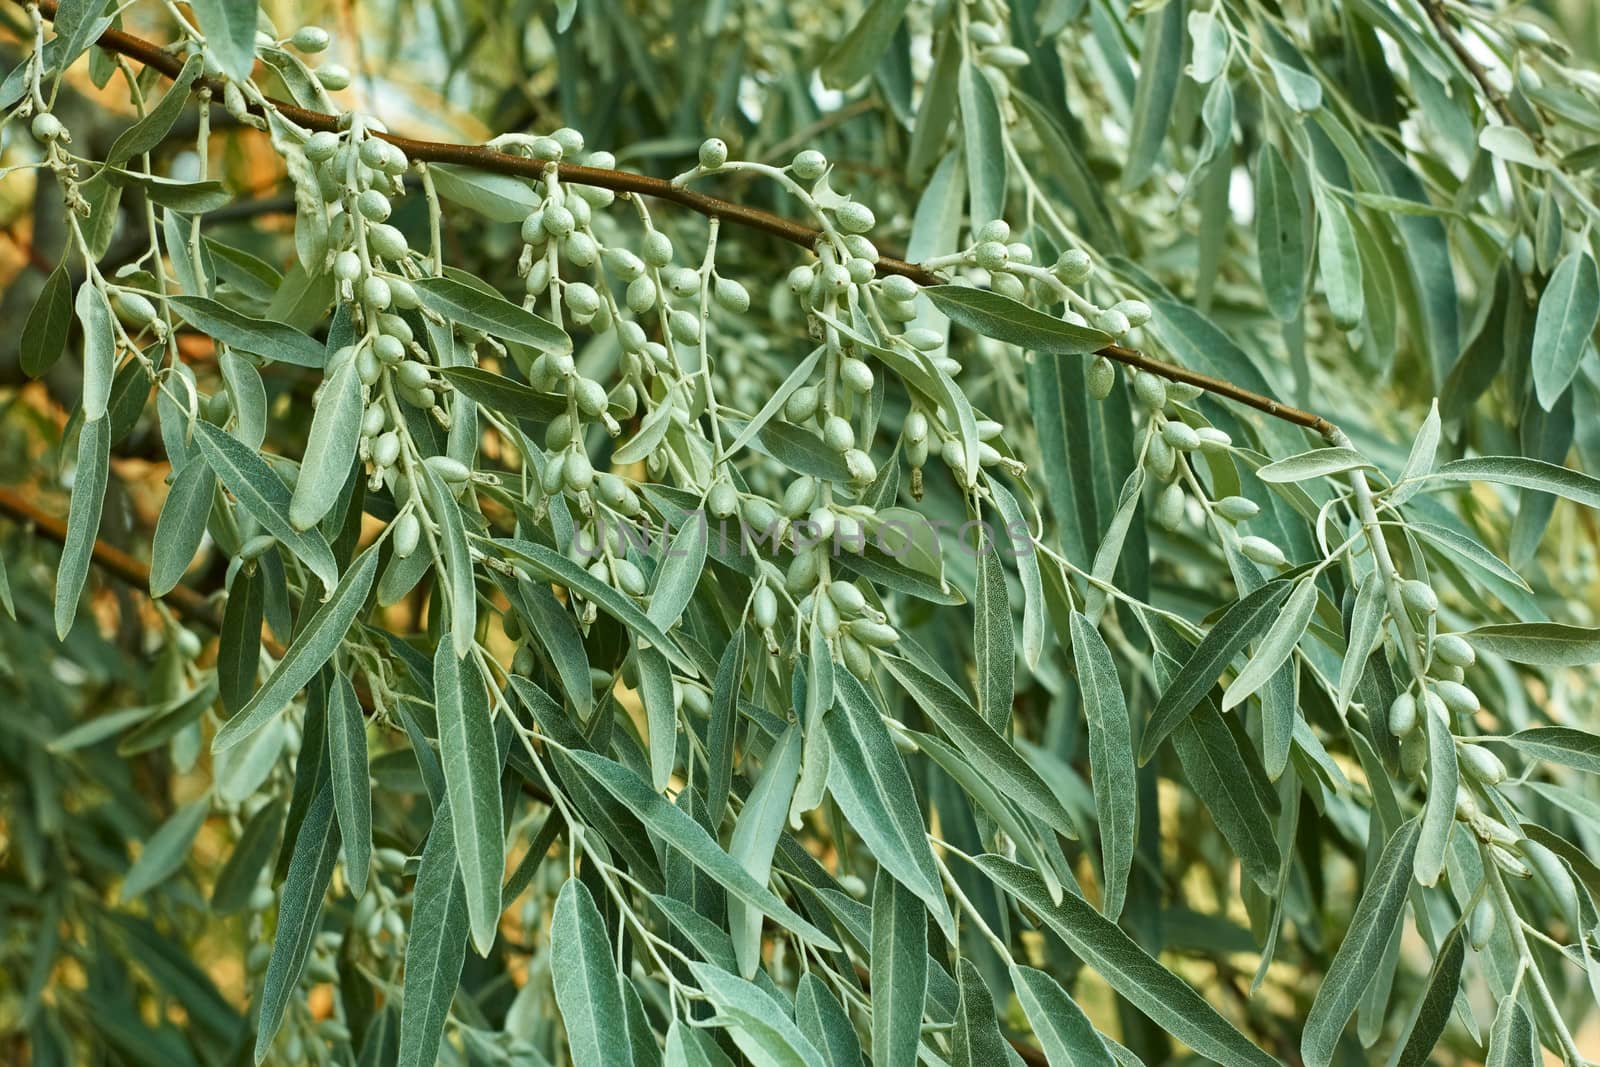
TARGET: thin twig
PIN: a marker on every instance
(488, 159)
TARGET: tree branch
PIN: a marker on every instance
(153, 55)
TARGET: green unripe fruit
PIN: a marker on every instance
(347, 266)
(810, 165)
(1136, 312)
(1403, 715)
(681, 281)
(1149, 391)
(310, 39)
(373, 205)
(759, 514)
(1260, 550)
(389, 350)
(685, 327)
(723, 499)
(558, 220)
(731, 296)
(994, 230)
(368, 368)
(838, 434)
(452, 471)
(1161, 459)
(1419, 597)
(630, 579)
(1550, 872)
(374, 419)
(848, 598)
(923, 339)
(1180, 435)
(591, 397)
(1413, 753)
(764, 608)
(898, 288)
(1111, 321)
(857, 376)
(802, 572)
(713, 153)
(376, 292)
(1480, 928)
(798, 496)
(1101, 377)
(802, 404)
(1454, 650)
(1458, 698)
(657, 249)
(1074, 266)
(412, 374)
(132, 308)
(579, 249)
(626, 265)
(641, 295)
(1169, 507)
(822, 522)
(874, 634)
(1482, 764)
(386, 449)
(1237, 508)
(404, 295)
(570, 140)
(579, 471)
(46, 127)
(371, 152)
(407, 532)
(321, 146)
(388, 242)
(1214, 440)
(827, 616)
(862, 470)
(991, 255)
(581, 299)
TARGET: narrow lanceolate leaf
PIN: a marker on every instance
(1438, 1000)
(1170, 1002)
(869, 782)
(1280, 234)
(1358, 956)
(470, 756)
(99, 350)
(306, 654)
(1062, 1030)
(681, 566)
(1524, 474)
(823, 1021)
(1160, 70)
(239, 644)
(1568, 309)
(588, 987)
(976, 1040)
(247, 476)
(444, 509)
(757, 1022)
(467, 305)
(1439, 813)
(1029, 574)
(1318, 463)
(436, 947)
(983, 135)
(230, 29)
(992, 641)
(1244, 620)
(1543, 644)
(330, 448)
(165, 850)
(899, 970)
(352, 793)
(181, 527)
(1339, 262)
(1578, 749)
(1365, 620)
(755, 838)
(1013, 322)
(723, 726)
(674, 827)
(1424, 450)
(150, 130)
(83, 520)
(1277, 646)
(275, 341)
(310, 869)
(854, 57)
(1511, 1041)
(661, 713)
(44, 334)
(1111, 768)
(1220, 772)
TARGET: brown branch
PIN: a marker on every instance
(481, 158)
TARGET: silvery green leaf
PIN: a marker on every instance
(899, 970)
(252, 854)
(312, 646)
(436, 948)
(868, 781)
(1511, 1040)
(1209, 52)
(1565, 745)
(1019, 535)
(1127, 968)
(83, 520)
(1524, 474)
(681, 565)
(1318, 463)
(330, 448)
(1004, 319)
(1433, 1010)
(463, 589)
(165, 850)
(674, 827)
(247, 398)
(854, 57)
(470, 756)
(722, 730)
(757, 1023)
(230, 29)
(300, 906)
(352, 792)
(1160, 68)
(976, 1040)
(239, 644)
(44, 334)
(1468, 550)
(501, 394)
(181, 527)
(1111, 766)
(1280, 233)
(1568, 309)
(1366, 618)
(1063, 1031)
(1245, 620)
(1277, 645)
(588, 987)
(1439, 812)
(153, 127)
(755, 837)
(554, 628)
(1356, 959)
(498, 197)
(992, 640)
(660, 708)
(1339, 261)
(467, 305)
(690, 1046)
(983, 132)
(823, 1021)
(274, 341)
(1419, 462)
(1223, 773)
(1544, 644)
(1512, 145)
(1299, 90)
(99, 350)
(247, 476)
(797, 377)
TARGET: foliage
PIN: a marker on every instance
(599, 619)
